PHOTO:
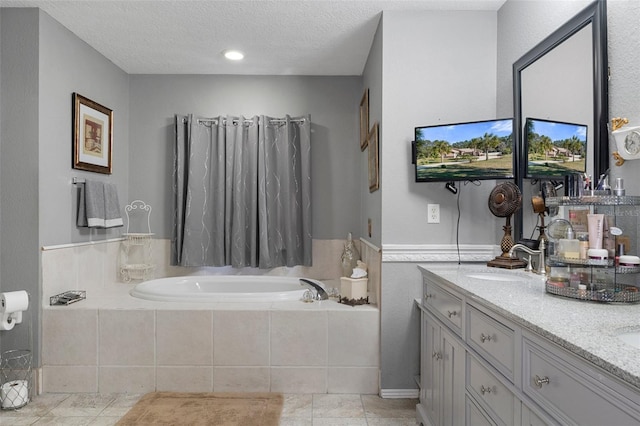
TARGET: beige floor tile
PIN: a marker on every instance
(339, 421)
(37, 407)
(120, 405)
(83, 405)
(66, 421)
(379, 421)
(319, 409)
(105, 421)
(18, 421)
(374, 406)
(298, 406)
(337, 406)
(295, 421)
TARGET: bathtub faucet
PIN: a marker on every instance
(320, 293)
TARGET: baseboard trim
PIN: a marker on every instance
(438, 253)
(399, 393)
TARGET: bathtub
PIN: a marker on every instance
(221, 288)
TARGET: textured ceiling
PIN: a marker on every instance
(279, 37)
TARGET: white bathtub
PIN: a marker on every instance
(221, 288)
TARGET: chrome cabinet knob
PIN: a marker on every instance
(483, 338)
(484, 390)
(452, 313)
(540, 381)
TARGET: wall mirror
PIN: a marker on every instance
(563, 78)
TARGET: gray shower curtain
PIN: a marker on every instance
(242, 192)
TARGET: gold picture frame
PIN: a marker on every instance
(374, 172)
(92, 135)
(364, 120)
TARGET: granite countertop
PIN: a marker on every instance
(588, 329)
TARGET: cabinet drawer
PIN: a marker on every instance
(485, 387)
(445, 305)
(493, 340)
(571, 390)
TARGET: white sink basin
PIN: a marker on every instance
(630, 338)
(488, 276)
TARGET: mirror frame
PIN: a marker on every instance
(595, 14)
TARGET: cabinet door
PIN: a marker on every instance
(475, 416)
(430, 373)
(529, 418)
(453, 366)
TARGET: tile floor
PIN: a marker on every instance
(299, 410)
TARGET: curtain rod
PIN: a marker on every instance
(235, 121)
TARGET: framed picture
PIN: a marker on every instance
(364, 120)
(92, 135)
(374, 176)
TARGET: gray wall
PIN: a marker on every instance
(42, 65)
(522, 25)
(439, 67)
(19, 228)
(624, 63)
(331, 101)
(432, 73)
(69, 65)
(372, 79)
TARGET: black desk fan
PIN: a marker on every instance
(504, 200)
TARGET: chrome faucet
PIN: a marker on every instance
(321, 294)
(542, 270)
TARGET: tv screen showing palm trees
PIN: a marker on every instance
(554, 149)
(476, 150)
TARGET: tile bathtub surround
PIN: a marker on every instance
(94, 266)
(298, 410)
(132, 347)
(292, 347)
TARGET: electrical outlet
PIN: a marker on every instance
(433, 211)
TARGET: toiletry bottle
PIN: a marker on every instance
(583, 243)
(619, 188)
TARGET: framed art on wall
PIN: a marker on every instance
(92, 135)
(374, 173)
(364, 120)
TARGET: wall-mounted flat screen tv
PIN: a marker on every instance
(477, 150)
(554, 149)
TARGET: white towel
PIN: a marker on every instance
(98, 206)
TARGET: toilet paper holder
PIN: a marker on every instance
(12, 304)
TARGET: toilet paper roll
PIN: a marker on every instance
(14, 394)
(6, 322)
(14, 301)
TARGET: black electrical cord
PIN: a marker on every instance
(457, 192)
(458, 228)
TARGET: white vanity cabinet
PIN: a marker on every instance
(483, 366)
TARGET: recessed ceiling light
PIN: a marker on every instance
(233, 55)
